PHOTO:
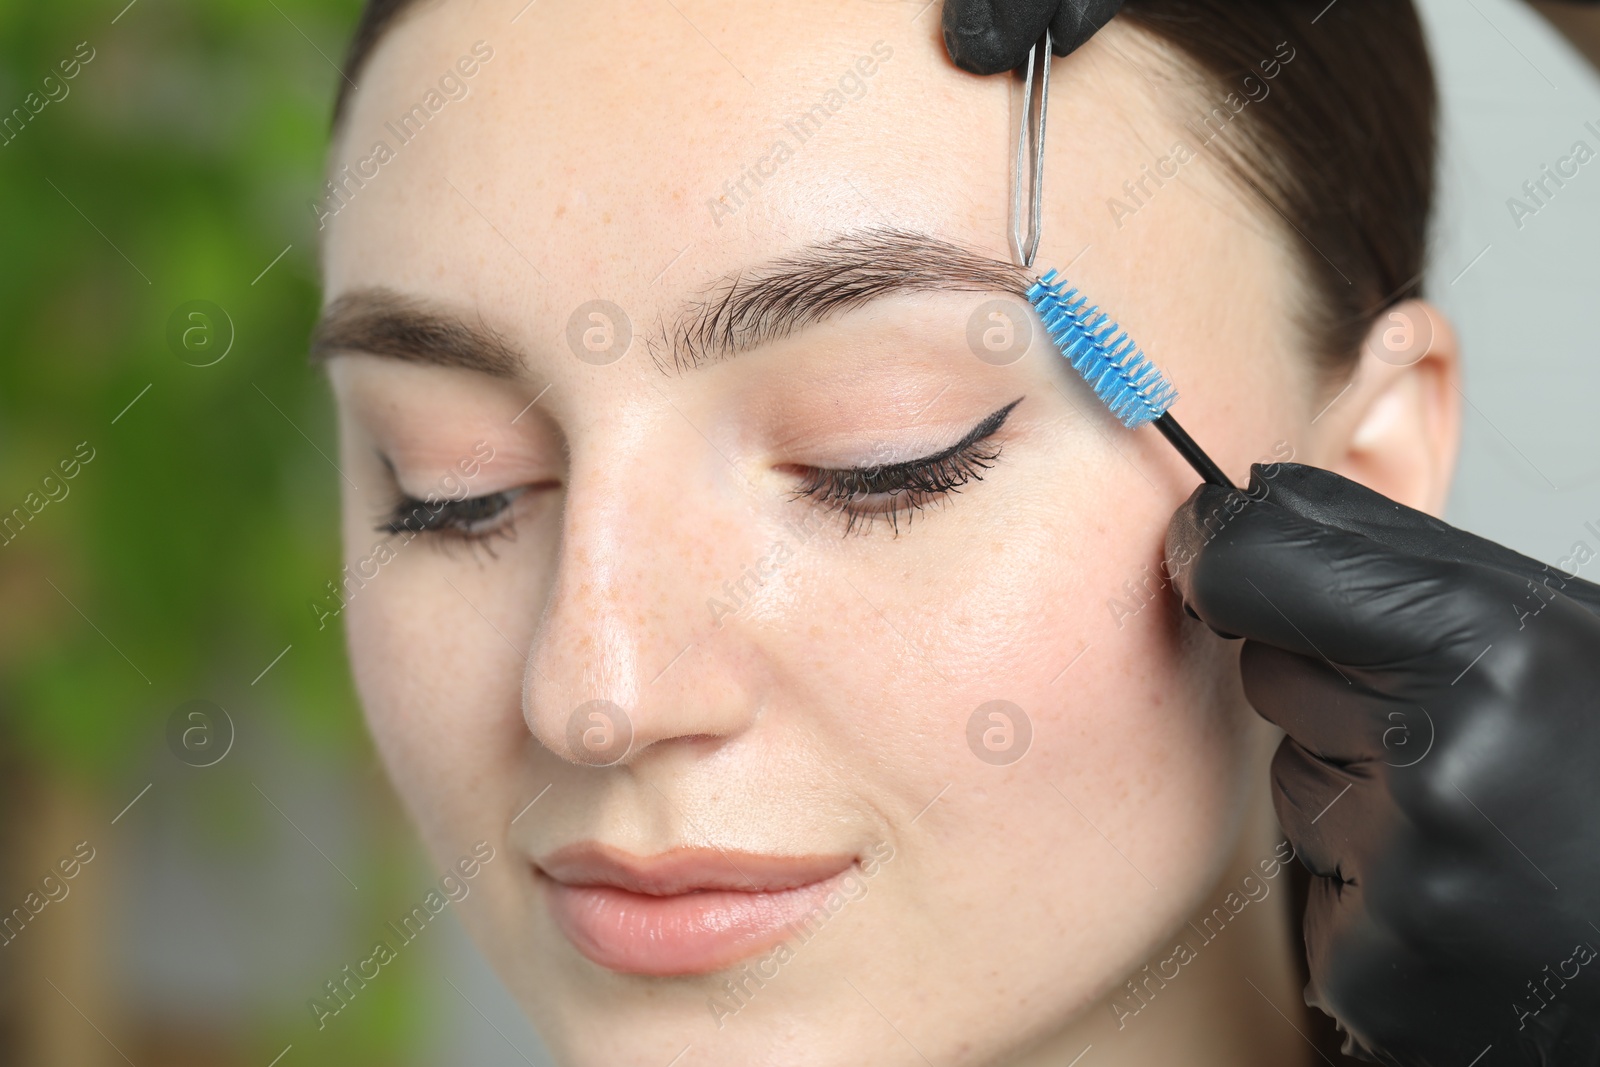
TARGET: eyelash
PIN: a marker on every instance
(909, 486)
(462, 520)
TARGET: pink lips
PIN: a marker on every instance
(687, 911)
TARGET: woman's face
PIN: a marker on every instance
(725, 711)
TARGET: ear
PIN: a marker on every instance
(1396, 428)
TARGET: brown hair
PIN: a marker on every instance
(1341, 147)
(376, 17)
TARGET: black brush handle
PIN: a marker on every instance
(1208, 471)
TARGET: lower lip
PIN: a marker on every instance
(689, 933)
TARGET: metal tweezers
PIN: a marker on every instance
(1024, 248)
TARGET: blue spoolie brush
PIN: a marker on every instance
(1118, 372)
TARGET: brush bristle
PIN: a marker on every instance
(1098, 349)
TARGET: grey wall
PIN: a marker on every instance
(1516, 98)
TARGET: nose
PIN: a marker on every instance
(629, 654)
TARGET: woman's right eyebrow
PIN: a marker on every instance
(739, 312)
(382, 322)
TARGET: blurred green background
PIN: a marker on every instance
(176, 169)
(179, 562)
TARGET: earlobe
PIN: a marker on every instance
(1397, 427)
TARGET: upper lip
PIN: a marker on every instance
(687, 869)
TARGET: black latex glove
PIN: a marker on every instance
(1441, 773)
(990, 36)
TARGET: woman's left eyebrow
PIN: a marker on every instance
(750, 308)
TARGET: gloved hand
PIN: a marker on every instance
(990, 36)
(1441, 773)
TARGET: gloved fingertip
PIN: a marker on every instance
(981, 53)
(1184, 531)
(1078, 20)
(1261, 478)
(993, 36)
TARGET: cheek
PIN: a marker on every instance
(1115, 765)
(1057, 609)
(440, 691)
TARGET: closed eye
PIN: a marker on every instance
(888, 492)
(472, 518)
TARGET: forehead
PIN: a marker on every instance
(634, 152)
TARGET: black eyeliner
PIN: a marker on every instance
(910, 485)
(985, 429)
